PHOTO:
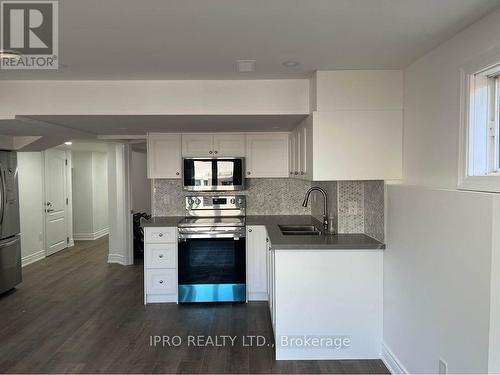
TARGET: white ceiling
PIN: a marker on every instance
(194, 39)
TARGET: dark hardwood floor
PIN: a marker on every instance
(75, 313)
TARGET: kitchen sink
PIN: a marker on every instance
(299, 230)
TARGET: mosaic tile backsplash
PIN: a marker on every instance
(357, 205)
(265, 196)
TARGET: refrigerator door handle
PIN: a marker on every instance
(4, 195)
(9, 243)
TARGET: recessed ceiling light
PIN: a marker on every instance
(68, 143)
(290, 64)
(245, 66)
(9, 53)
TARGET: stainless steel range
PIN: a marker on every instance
(212, 250)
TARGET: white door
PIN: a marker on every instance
(164, 155)
(229, 145)
(56, 232)
(197, 145)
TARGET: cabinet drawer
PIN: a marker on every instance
(161, 255)
(161, 281)
(160, 235)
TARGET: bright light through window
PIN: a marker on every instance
(480, 135)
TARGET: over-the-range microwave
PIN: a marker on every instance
(213, 174)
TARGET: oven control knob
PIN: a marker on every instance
(232, 201)
(240, 201)
(197, 200)
(190, 202)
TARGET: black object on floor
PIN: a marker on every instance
(139, 234)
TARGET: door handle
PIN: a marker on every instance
(49, 210)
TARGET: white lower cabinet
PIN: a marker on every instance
(161, 281)
(160, 264)
(335, 295)
(257, 288)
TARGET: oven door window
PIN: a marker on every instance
(212, 261)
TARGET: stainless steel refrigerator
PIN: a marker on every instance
(10, 239)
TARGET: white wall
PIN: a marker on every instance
(141, 185)
(90, 195)
(100, 191)
(432, 105)
(437, 270)
(31, 205)
(439, 263)
(82, 193)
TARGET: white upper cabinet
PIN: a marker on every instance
(300, 151)
(212, 145)
(229, 145)
(358, 145)
(292, 152)
(267, 155)
(164, 155)
(197, 145)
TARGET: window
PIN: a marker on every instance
(480, 135)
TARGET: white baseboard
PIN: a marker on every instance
(392, 362)
(116, 258)
(32, 258)
(257, 296)
(90, 236)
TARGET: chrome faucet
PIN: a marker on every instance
(325, 204)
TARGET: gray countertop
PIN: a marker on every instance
(310, 242)
(162, 221)
(281, 242)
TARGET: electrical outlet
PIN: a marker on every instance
(443, 367)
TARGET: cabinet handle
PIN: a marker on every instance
(210, 152)
(249, 230)
(296, 173)
(248, 173)
(177, 173)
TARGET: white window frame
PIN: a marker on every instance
(485, 65)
